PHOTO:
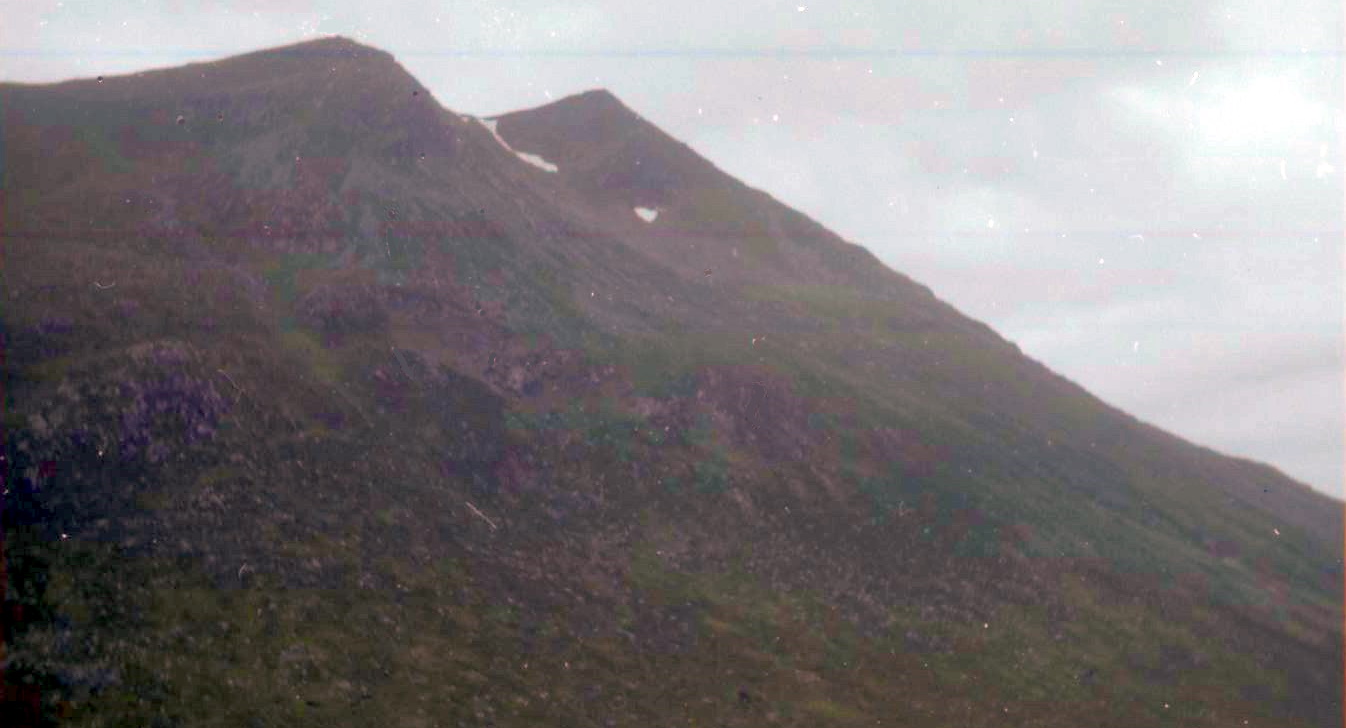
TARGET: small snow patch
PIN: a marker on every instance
(646, 213)
(533, 159)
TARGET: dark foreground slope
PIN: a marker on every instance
(325, 405)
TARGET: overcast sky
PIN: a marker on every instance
(1145, 195)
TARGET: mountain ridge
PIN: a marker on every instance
(380, 367)
(606, 100)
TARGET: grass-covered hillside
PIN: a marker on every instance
(322, 407)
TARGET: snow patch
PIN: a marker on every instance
(533, 159)
(646, 213)
(537, 161)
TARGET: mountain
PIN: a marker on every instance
(326, 405)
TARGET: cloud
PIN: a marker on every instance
(1271, 24)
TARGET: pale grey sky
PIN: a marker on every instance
(1147, 196)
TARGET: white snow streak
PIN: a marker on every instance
(533, 159)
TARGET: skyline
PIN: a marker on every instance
(1162, 227)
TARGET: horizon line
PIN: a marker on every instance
(817, 52)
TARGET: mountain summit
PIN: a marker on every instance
(325, 404)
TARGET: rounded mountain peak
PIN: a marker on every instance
(595, 113)
(326, 47)
(605, 146)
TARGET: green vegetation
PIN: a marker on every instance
(255, 486)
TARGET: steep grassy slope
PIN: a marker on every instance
(324, 408)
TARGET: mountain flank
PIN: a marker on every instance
(327, 405)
